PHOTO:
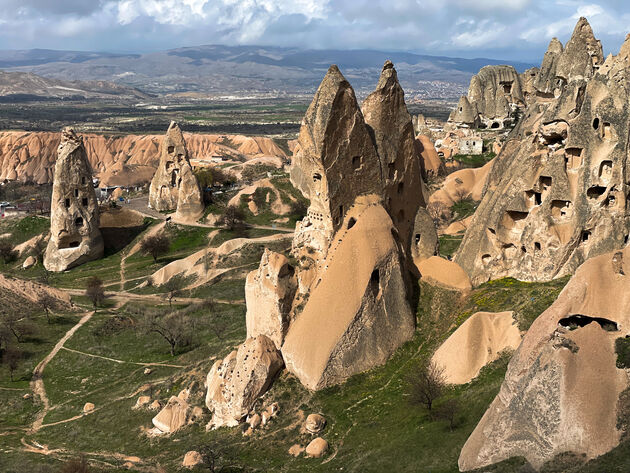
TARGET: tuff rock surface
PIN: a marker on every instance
(75, 237)
(269, 293)
(235, 382)
(557, 193)
(174, 186)
(562, 386)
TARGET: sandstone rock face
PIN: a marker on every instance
(390, 124)
(269, 293)
(174, 416)
(74, 220)
(29, 262)
(477, 342)
(335, 161)
(117, 160)
(235, 382)
(442, 272)
(557, 193)
(425, 242)
(562, 386)
(174, 186)
(337, 336)
(430, 163)
(545, 82)
(494, 93)
(192, 459)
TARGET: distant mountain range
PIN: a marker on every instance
(216, 70)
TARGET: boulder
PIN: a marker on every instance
(477, 342)
(29, 262)
(269, 292)
(155, 405)
(236, 382)
(174, 186)
(192, 459)
(174, 416)
(88, 407)
(317, 448)
(142, 401)
(75, 237)
(314, 423)
(556, 194)
(562, 388)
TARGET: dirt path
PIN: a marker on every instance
(37, 383)
(122, 361)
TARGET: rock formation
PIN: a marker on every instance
(235, 382)
(430, 163)
(126, 160)
(557, 193)
(477, 342)
(269, 293)
(494, 93)
(175, 415)
(363, 181)
(174, 186)
(75, 237)
(562, 386)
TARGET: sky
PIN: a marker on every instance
(499, 29)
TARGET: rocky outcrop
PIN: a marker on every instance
(269, 293)
(174, 186)
(545, 81)
(562, 386)
(557, 193)
(442, 272)
(337, 336)
(390, 125)
(175, 415)
(478, 341)
(235, 382)
(126, 160)
(430, 163)
(75, 237)
(494, 93)
(425, 242)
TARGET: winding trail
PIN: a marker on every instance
(122, 361)
(37, 382)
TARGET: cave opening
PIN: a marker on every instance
(578, 320)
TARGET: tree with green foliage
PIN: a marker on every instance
(7, 251)
(426, 384)
(94, 291)
(155, 245)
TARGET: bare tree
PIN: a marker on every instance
(95, 291)
(426, 384)
(449, 411)
(47, 303)
(174, 288)
(11, 357)
(7, 251)
(176, 328)
(155, 245)
(14, 323)
(439, 212)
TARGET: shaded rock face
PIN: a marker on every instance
(235, 382)
(391, 127)
(424, 240)
(562, 386)
(557, 193)
(174, 186)
(493, 94)
(269, 293)
(74, 219)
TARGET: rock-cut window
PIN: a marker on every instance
(78, 222)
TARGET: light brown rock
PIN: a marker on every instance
(174, 416)
(317, 448)
(174, 186)
(235, 382)
(430, 162)
(314, 423)
(155, 405)
(437, 270)
(74, 219)
(88, 407)
(269, 293)
(142, 401)
(562, 386)
(192, 459)
(478, 341)
(29, 262)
